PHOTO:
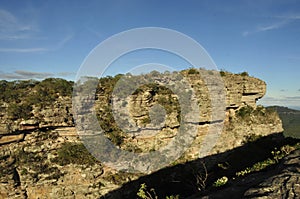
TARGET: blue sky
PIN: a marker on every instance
(41, 39)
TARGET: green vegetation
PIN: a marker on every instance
(37, 165)
(74, 153)
(245, 111)
(261, 114)
(277, 154)
(222, 73)
(244, 74)
(144, 193)
(290, 120)
(18, 111)
(220, 182)
(21, 96)
(193, 71)
(251, 138)
(33, 91)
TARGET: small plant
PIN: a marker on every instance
(193, 71)
(222, 73)
(220, 182)
(244, 74)
(259, 166)
(224, 165)
(73, 153)
(245, 111)
(172, 197)
(143, 193)
(251, 138)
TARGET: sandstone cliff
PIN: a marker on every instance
(36, 149)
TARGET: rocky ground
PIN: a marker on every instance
(53, 163)
(283, 181)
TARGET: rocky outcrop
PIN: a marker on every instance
(33, 168)
(285, 184)
(30, 161)
(281, 182)
(237, 119)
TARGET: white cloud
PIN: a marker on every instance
(270, 27)
(55, 47)
(290, 101)
(11, 28)
(284, 20)
(62, 43)
(23, 74)
(23, 50)
(290, 16)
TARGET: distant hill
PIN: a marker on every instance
(290, 119)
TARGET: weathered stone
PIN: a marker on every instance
(5, 139)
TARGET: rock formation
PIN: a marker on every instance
(35, 150)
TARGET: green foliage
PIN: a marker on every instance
(276, 156)
(172, 197)
(22, 95)
(222, 73)
(73, 153)
(245, 111)
(290, 120)
(143, 193)
(220, 182)
(244, 74)
(18, 111)
(36, 163)
(116, 137)
(193, 71)
(251, 138)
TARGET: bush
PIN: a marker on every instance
(245, 111)
(222, 73)
(251, 138)
(19, 111)
(193, 71)
(220, 182)
(144, 193)
(244, 74)
(74, 153)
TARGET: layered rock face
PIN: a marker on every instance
(32, 159)
(226, 114)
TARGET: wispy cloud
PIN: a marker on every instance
(23, 50)
(11, 28)
(24, 74)
(66, 74)
(289, 16)
(62, 43)
(283, 21)
(55, 47)
(281, 101)
(267, 28)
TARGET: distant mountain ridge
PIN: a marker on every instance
(290, 120)
(281, 109)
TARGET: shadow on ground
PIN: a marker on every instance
(182, 179)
